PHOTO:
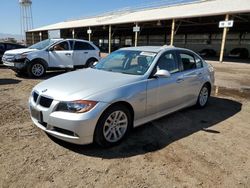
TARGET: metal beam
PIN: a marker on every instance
(110, 38)
(172, 33)
(223, 42)
(241, 18)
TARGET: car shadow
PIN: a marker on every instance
(160, 133)
(7, 81)
(3, 66)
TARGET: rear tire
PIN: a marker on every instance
(203, 96)
(113, 126)
(36, 69)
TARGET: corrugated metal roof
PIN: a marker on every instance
(197, 9)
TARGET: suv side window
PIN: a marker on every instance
(83, 46)
(187, 61)
(168, 62)
(62, 46)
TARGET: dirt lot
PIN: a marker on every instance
(190, 148)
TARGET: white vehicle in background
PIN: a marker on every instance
(52, 54)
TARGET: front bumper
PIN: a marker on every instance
(70, 127)
(16, 64)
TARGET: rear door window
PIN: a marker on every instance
(83, 46)
(187, 60)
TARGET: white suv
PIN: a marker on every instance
(52, 54)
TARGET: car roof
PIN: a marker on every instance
(155, 49)
(81, 40)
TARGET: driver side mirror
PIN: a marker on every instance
(51, 48)
(162, 74)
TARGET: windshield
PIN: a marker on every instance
(43, 44)
(127, 61)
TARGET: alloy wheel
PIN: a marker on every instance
(115, 126)
(203, 96)
(37, 70)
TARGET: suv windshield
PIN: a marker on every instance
(43, 44)
(127, 61)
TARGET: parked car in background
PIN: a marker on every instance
(51, 54)
(4, 46)
(128, 88)
(239, 53)
(207, 53)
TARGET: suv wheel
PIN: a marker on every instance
(36, 69)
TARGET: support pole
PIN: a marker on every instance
(223, 40)
(110, 35)
(33, 38)
(136, 36)
(89, 35)
(172, 33)
(40, 35)
(73, 33)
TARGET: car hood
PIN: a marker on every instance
(19, 51)
(83, 83)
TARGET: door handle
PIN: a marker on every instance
(68, 54)
(199, 74)
(86, 52)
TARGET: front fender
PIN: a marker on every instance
(135, 94)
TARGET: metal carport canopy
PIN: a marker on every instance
(198, 9)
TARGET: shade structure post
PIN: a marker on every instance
(223, 42)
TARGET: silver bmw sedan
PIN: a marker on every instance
(128, 88)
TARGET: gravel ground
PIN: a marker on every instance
(189, 148)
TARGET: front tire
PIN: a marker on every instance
(203, 96)
(36, 69)
(113, 126)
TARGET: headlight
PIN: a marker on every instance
(21, 56)
(79, 106)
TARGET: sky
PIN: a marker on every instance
(47, 12)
